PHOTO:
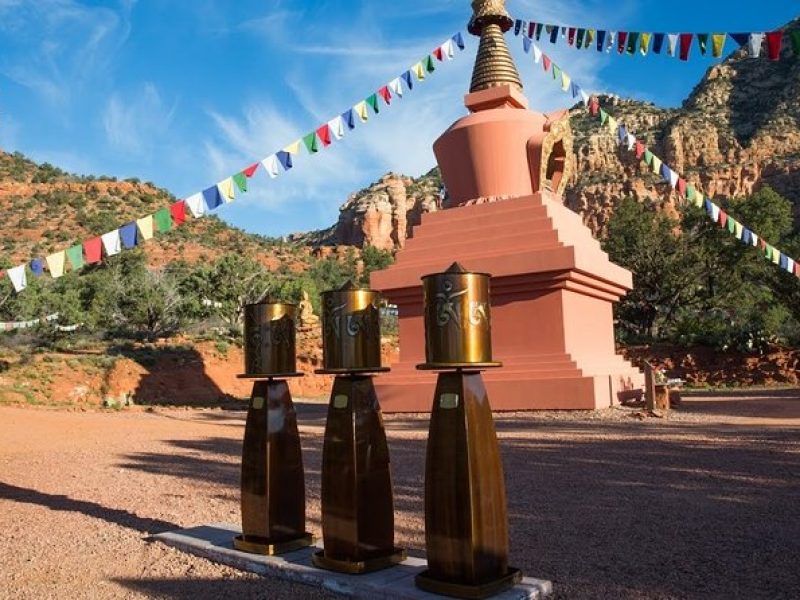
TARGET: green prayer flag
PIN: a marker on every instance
(556, 72)
(702, 38)
(240, 179)
(690, 193)
(373, 102)
(648, 157)
(731, 225)
(163, 220)
(75, 256)
(795, 36)
(310, 142)
(768, 252)
(633, 39)
(603, 117)
(429, 66)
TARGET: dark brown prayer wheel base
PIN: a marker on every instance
(357, 503)
(425, 582)
(466, 518)
(272, 548)
(273, 499)
(360, 567)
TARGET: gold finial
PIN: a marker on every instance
(493, 64)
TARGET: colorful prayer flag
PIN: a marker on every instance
(196, 205)
(324, 135)
(18, 278)
(717, 44)
(240, 179)
(75, 256)
(178, 212)
(37, 266)
(127, 233)
(212, 198)
(145, 227)
(271, 166)
(226, 190)
(55, 264)
(372, 101)
(361, 110)
(310, 142)
(774, 41)
(250, 171)
(163, 220)
(111, 245)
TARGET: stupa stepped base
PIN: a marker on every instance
(552, 293)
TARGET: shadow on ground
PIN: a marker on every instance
(116, 516)
(603, 508)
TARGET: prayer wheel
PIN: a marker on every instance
(272, 483)
(466, 519)
(351, 330)
(457, 319)
(269, 339)
(357, 502)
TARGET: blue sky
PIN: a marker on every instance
(186, 92)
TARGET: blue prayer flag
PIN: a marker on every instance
(459, 40)
(285, 158)
(658, 43)
(128, 235)
(709, 207)
(37, 266)
(601, 40)
(740, 38)
(349, 118)
(784, 262)
(409, 79)
(526, 44)
(212, 197)
(517, 26)
(665, 173)
(554, 35)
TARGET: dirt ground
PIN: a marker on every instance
(702, 504)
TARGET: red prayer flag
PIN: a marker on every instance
(682, 187)
(178, 212)
(571, 36)
(438, 54)
(546, 62)
(796, 269)
(723, 218)
(686, 45)
(249, 171)
(594, 106)
(640, 148)
(762, 243)
(622, 37)
(2, 274)
(324, 134)
(531, 29)
(386, 94)
(774, 40)
(93, 250)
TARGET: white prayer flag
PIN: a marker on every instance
(631, 141)
(756, 39)
(196, 205)
(396, 86)
(18, 278)
(111, 243)
(673, 179)
(449, 49)
(271, 166)
(672, 43)
(537, 54)
(337, 127)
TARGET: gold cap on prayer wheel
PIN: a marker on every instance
(351, 330)
(269, 340)
(458, 331)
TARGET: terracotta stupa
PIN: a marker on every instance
(505, 168)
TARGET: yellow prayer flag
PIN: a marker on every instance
(644, 43)
(698, 199)
(718, 43)
(145, 226)
(656, 165)
(738, 229)
(294, 147)
(589, 38)
(361, 111)
(612, 124)
(55, 264)
(565, 81)
(419, 71)
(226, 189)
(776, 256)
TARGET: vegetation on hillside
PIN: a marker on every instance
(694, 283)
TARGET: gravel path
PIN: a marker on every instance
(702, 504)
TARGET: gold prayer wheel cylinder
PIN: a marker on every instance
(458, 331)
(269, 339)
(351, 330)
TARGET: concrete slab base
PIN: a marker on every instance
(215, 542)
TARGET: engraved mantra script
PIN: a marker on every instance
(367, 321)
(447, 310)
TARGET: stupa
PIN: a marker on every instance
(505, 167)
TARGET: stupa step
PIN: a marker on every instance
(528, 209)
(495, 208)
(465, 246)
(533, 225)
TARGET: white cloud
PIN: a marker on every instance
(134, 123)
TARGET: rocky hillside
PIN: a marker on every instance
(46, 210)
(738, 130)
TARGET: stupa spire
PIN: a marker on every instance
(493, 65)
